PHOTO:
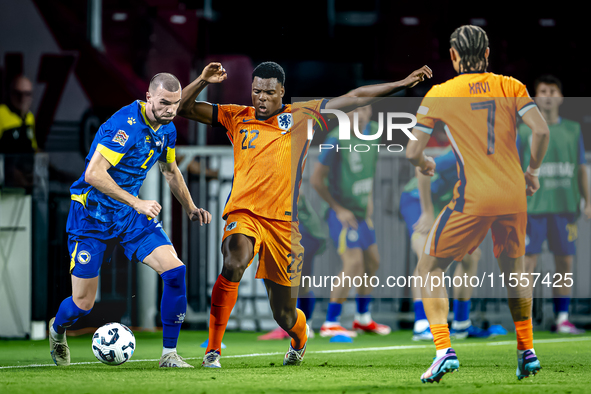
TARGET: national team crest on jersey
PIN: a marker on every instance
(121, 137)
(285, 121)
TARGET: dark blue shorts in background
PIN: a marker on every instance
(343, 239)
(560, 230)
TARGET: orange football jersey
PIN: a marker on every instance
(269, 158)
(480, 114)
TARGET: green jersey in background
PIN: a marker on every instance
(559, 186)
(350, 180)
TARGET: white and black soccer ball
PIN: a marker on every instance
(113, 344)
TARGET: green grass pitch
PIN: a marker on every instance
(370, 364)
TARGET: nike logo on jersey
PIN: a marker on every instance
(247, 120)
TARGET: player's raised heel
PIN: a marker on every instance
(59, 350)
(211, 360)
(449, 363)
(173, 360)
(527, 365)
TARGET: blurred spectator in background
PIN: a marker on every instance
(17, 123)
(17, 134)
(553, 211)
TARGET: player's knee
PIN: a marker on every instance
(372, 265)
(530, 262)
(475, 256)
(235, 265)
(354, 267)
(423, 268)
(85, 302)
(564, 263)
(175, 278)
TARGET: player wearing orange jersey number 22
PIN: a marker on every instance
(270, 147)
(478, 109)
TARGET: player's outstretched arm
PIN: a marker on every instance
(201, 111)
(539, 145)
(96, 175)
(177, 185)
(427, 218)
(585, 189)
(415, 153)
(319, 175)
(366, 95)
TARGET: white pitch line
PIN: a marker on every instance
(375, 349)
(581, 339)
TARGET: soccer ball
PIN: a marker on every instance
(113, 344)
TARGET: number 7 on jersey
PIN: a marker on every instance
(491, 107)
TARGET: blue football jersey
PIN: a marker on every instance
(132, 147)
(446, 167)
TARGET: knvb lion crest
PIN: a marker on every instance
(285, 121)
(121, 137)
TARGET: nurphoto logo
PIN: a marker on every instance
(344, 124)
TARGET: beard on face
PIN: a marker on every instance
(161, 120)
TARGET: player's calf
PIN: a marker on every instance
(173, 308)
(285, 317)
(299, 331)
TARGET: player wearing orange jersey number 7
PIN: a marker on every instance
(261, 211)
(478, 109)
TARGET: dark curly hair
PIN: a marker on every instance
(548, 80)
(268, 70)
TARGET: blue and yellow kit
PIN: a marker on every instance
(97, 222)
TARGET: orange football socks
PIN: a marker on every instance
(223, 299)
(298, 331)
(440, 336)
(525, 334)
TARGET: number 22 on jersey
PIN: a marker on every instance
(254, 134)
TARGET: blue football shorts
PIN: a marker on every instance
(91, 242)
(348, 238)
(410, 209)
(559, 229)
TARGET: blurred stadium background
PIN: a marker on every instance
(87, 59)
